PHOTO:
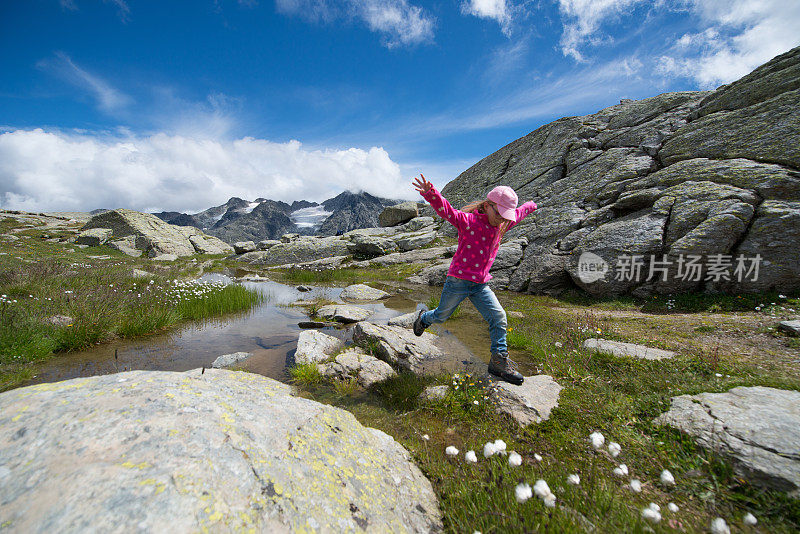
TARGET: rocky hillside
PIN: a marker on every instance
(693, 190)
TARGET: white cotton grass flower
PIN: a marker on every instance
(719, 526)
(470, 457)
(541, 489)
(451, 451)
(574, 480)
(489, 450)
(514, 459)
(537, 457)
(426, 437)
(597, 439)
(654, 506)
(651, 514)
(550, 501)
(749, 519)
(673, 507)
(666, 478)
(621, 471)
(500, 446)
(636, 485)
(523, 492)
(614, 449)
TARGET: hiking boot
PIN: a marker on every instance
(419, 328)
(504, 367)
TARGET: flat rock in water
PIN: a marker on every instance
(344, 313)
(227, 360)
(530, 402)
(405, 320)
(316, 324)
(314, 346)
(758, 428)
(362, 292)
(618, 348)
(187, 452)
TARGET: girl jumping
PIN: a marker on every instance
(481, 225)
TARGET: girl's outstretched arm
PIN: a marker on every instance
(523, 211)
(439, 203)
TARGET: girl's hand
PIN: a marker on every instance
(422, 185)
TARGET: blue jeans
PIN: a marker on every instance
(454, 291)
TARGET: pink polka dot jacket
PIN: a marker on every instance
(477, 239)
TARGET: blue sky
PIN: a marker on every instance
(175, 105)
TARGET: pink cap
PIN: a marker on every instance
(506, 200)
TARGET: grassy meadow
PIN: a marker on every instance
(618, 397)
(54, 301)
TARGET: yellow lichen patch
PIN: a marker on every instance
(21, 412)
(169, 395)
(160, 486)
(131, 465)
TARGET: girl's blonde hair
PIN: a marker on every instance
(479, 206)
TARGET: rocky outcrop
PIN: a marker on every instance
(399, 346)
(678, 192)
(377, 244)
(150, 234)
(217, 451)
(758, 428)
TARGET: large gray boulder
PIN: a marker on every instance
(398, 214)
(155, 237)
(414, 241)
(93, 237)
(757, 428)
(709, 177)
(370, 245)
(187, 452)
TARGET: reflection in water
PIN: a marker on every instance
(269, 332)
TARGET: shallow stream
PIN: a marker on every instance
(268, 331)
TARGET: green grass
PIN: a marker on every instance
(305, 374)
(683, 303)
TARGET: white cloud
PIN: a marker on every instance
(739, 35)
(489, 9)
(57, 171)
(108, 98)
(583, 18)
(396, 20)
